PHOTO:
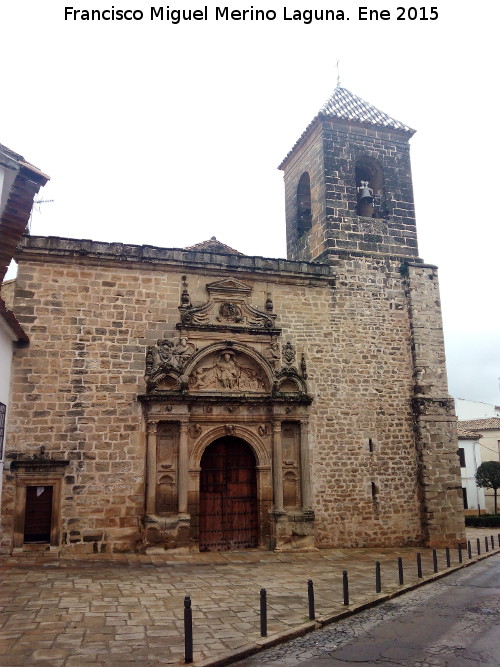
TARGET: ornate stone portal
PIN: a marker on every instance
(226, 377)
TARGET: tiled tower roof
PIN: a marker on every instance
(345, 105)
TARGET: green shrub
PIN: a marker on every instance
(483, 521)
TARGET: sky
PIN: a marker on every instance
(168, 134)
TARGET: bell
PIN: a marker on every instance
(365, 194)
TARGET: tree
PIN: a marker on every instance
(488, 476)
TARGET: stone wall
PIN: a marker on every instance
(7, 292)
(75, 387)
(437, 439)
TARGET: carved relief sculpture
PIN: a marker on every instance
(227, 371)
(230, 312)
(288, 353)
(167, 358)
(272, 353)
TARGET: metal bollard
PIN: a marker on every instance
(400, 571)
(486, 545)
(460, 557)
(469, 549)
(378, 580)
(435, 560)
(478, 542)
(310, 597)
(188, 630)
(419, 566)
(447, 556)
(263, 612)
(345, 584)
(492, 542)
(499, 539)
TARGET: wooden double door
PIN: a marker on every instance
(228, 496)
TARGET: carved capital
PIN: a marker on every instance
(152, 427)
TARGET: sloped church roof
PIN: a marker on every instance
(213, 245)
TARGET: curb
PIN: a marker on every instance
(279, 638)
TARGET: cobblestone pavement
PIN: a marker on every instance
(454, 621)
(129, 608)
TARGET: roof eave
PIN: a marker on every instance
(11, 321)
(367, 125)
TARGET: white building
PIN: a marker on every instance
(469, 451)
(488, 430)
(19, 183)
(466, 409)
(11, 333)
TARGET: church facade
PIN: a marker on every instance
(202, 399)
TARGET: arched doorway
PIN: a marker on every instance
(228, 496)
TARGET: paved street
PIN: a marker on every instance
(453, 622)
(129, 608)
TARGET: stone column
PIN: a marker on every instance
(277, 466)
(305, 471)
(152, 429)
(183, 470)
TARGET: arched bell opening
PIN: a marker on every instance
(228, 507)
(304, 207)
(369, 187)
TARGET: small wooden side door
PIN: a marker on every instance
(38, 514)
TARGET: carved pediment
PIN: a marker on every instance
(229, 286)
(227, 307)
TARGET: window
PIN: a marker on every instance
(461, 456)
(304, 210)
(464, 495)
(3, 409)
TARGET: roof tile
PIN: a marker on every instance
(345, 105)
(212, 245)
(487, 424)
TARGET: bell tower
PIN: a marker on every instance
(348, 185)
(349, 204)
